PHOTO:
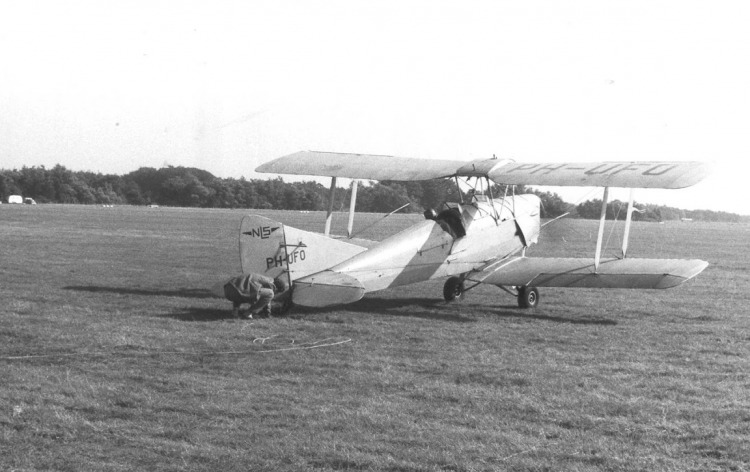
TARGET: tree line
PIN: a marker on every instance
(191, 187)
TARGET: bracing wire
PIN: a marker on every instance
(612, 229)
(576, 203)
(378, 221)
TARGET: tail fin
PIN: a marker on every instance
(272, 248)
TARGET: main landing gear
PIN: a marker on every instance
(528, 297)
(453, 289)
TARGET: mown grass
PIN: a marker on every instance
(139, 368)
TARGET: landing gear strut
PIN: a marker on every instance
(453, 289)
(528, 297)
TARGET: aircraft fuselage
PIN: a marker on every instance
(461, 239)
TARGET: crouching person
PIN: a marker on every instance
(257, 290)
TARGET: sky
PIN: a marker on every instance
(228, 85)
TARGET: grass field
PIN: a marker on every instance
(113, 356)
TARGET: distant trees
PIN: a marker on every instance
(591, 209)
(710, 215)
(386, 197)
(616, 209)
(190, 187)
(174, 186)
(553, 205)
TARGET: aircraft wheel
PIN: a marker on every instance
(528, 297)
(453, 289)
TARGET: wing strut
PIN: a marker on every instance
(329, 215)
(352, 204)
(600, 236)
(628, 220)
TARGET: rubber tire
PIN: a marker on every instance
(453, 289)
(528, 297)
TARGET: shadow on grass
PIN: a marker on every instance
(183, 292)
(426, 308)
(201, 314)
(525, 314)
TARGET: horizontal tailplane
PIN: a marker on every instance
(327, 288)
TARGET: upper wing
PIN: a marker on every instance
(360, 166)
(581, 273)
(642, 174)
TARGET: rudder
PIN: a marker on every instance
(262, 247)
(271, 248)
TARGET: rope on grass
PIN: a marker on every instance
(328, 342)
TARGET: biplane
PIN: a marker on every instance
(479, 240)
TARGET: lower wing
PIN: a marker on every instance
(581, 273)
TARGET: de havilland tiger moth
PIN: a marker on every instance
(481, 240)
